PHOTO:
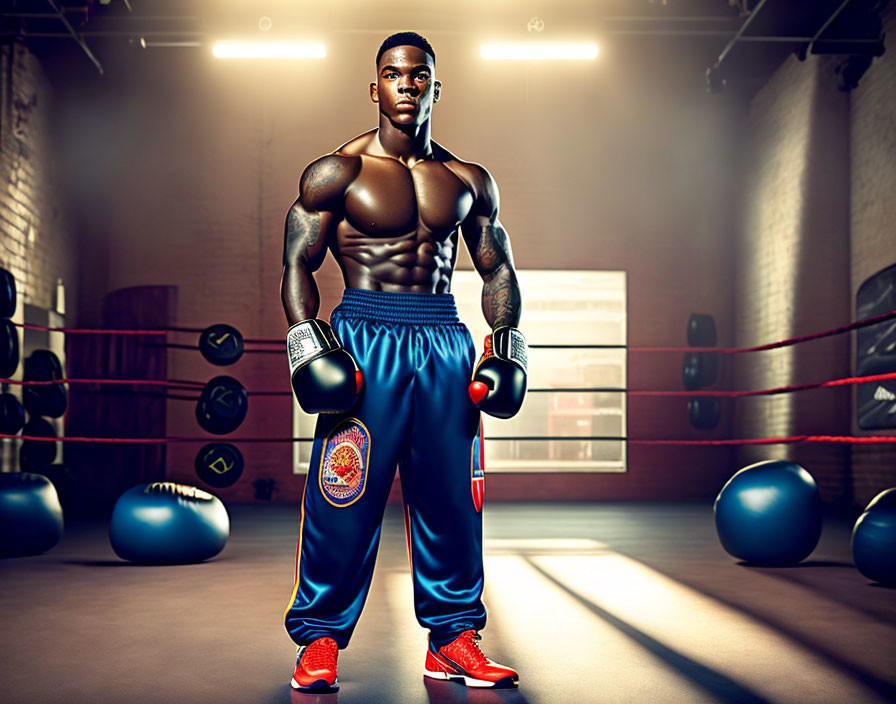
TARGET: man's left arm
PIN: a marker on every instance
(489, 248)
(499, 381)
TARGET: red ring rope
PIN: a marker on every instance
(90, 331)
(775, 345)
(744, 441)
(723, 350)
(190, 385)
(196, 385)
(777, 390)
(733, 394)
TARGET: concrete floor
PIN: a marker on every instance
(590, 602)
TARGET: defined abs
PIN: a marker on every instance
(399, 264)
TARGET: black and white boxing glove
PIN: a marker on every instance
(499, 380)
(325, 377)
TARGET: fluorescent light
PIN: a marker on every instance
(537, 51)
(145, 44)
(269, 50)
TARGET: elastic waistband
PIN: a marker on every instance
(398, 307)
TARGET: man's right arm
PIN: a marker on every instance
(325, 377)
(310, 226)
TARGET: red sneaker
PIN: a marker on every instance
(462, 661)
(316, 667)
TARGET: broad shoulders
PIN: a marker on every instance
(330, 167)
(344, 163)
(474, 175)
(365, 145)
(325, 180)
(357, 147)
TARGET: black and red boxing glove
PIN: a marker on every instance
(325, 377)
(499, 380)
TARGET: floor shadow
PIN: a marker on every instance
(881, 686)
(125, 563)
(436, 693)
(879, 585)
(800, 565)
(454, 693)
(296, 697)
(714, 683)
(797, 574)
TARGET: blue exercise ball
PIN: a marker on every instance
(168, 523)
(874, 539)
(30, 514)
(769, 513)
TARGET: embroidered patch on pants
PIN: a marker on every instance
(343, 465)
(477, 470)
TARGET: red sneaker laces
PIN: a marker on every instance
(320, 655)
(469, 648)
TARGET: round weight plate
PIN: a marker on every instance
(42, 365)
(12, 415)
(9, 349)
(49, 400)
(7, 294)
(222, 405)
(219, 464)
(221, 344)
(37, 454)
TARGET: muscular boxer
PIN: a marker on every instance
(394, 375)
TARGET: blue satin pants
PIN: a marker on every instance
(414, 413)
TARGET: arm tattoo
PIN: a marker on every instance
(318, 179)
(302, 233)
(302, 254)
(309, 224)
(500, 292)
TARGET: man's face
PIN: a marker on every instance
(405, 87)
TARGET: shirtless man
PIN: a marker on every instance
(395, 379)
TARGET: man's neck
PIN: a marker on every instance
(407, 145)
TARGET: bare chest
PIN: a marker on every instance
(388, 199)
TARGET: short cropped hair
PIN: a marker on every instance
(405, 39)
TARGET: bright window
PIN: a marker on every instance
(564, 309)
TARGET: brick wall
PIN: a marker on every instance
(816, 221)
(35, 229)
(791, 267)
(872, 217)
(36, 235)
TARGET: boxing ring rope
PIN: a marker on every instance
(793, 439)
(874, 320)
(185, 385)
(580, 438)
(189, 385)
